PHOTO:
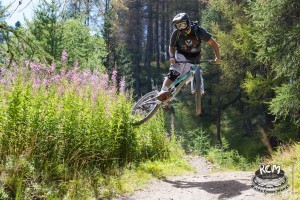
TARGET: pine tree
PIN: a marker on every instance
(278, 23)
(47, 28)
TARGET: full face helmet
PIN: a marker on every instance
(182, 22)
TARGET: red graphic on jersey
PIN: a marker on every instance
(192, 46)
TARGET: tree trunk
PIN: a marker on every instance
(219, 138)
(219, 107)
(157, 37)
(163, 33)
(138, 45)
(167, 29)
(246, 122)
(149, 46)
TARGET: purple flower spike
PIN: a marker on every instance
(104, 81)
(34, 67)
(114, 76)
(52, 67)
(75, 64)
(64, 57)
(122, 84)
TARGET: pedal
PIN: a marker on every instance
(164, 96)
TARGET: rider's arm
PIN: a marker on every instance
(212, 42)
(173, 43)
(172, 55)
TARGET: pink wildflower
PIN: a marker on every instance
(60, 90)
(122, 84)
(114, 81)
(104, 81)
(36, 83)
(76, 78)
(52, 67)
(64, 57)
(86, 75)
(70, 74)
(55, 78)
(75, 64)
(45, 82)
(94, 78)
(114, 76)
(35, 67)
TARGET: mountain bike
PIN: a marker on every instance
(148, 104)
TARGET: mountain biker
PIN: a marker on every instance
(185, 44)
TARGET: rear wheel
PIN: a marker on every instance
(196, 90)
(145, 108)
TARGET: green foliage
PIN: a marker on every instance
(195, 141)
(47, 28)
(278, 29)
(19, 45)
(229, 159)
(287, 102)
(257, 88)
(64, 127)
(48, 35)
(3, 194)
(161, 169)
(89, 50)
(261, 59)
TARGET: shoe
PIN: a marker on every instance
(164, 95)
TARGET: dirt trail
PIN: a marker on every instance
(202, 185)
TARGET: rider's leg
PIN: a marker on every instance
(164, 93)
(175, 71)
(166, 84)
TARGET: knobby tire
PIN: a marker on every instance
(151, 113)
(197, 91)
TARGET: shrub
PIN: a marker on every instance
(55, 125)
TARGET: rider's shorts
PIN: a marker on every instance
(181, 68)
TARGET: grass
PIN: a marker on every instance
(138, 177)
(288, 157)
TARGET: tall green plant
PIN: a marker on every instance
(57, 124)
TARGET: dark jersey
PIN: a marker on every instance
(189, 45)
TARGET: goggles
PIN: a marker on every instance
(181, 25)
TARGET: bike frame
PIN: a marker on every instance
(151, 97)
(181, 81)
(184, 80)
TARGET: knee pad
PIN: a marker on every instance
(172, 75)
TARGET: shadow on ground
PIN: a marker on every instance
(226, 188)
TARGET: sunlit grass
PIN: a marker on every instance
(288, 157)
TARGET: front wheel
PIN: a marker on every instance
(196, 90)
(146, 107)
